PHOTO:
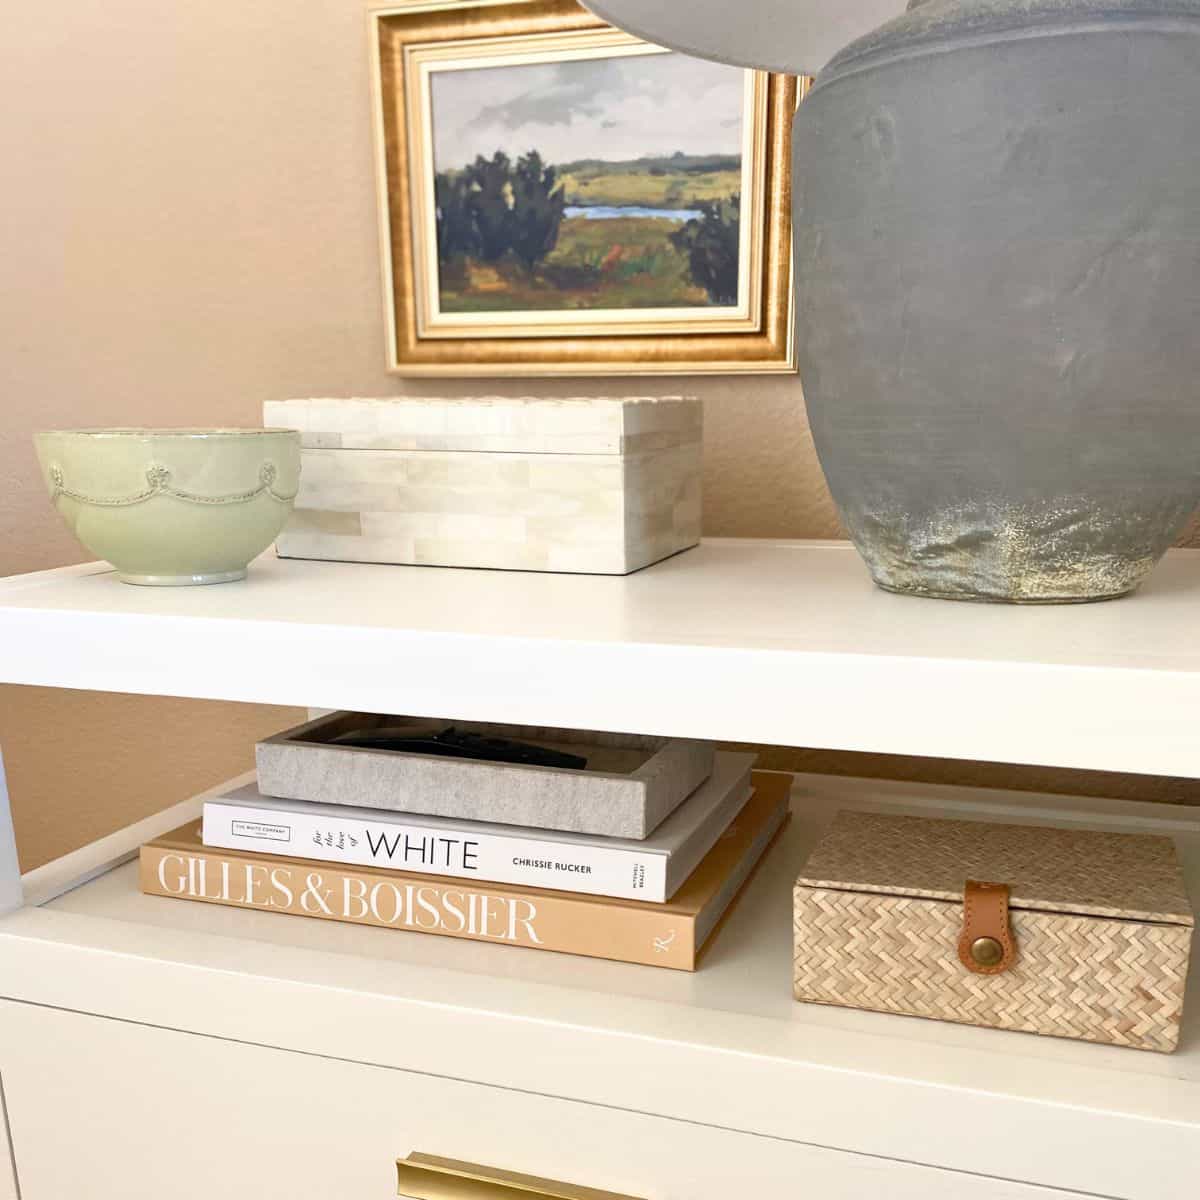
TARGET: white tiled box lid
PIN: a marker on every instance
(574, 425)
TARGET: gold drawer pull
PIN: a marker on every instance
(427, 1177)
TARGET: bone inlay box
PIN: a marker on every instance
(584, 485)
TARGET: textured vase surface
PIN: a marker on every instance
(998, 296)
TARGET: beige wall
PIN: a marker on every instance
(189, 229)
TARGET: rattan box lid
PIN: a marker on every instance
(1131, 876)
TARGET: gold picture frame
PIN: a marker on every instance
(417, 43)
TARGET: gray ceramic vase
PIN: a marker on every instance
(997, 221)
(998, 239)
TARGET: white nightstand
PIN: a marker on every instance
(150, 1047)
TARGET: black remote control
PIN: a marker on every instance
(456, 743)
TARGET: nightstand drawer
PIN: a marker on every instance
(108, 1110)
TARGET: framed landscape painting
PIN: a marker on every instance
(558, 197)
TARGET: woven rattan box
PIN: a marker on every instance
(1054, 931)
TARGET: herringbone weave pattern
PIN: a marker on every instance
(1102, 923)
(1082, 977)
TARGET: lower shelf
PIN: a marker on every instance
(726, 1047)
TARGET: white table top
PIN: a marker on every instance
(802, 597)
(778, 642)
(756, 641)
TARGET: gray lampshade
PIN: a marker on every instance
(796, 36)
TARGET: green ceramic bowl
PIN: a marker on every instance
(173, 506)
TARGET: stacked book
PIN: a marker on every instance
(347, 823)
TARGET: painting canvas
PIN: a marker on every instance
(602, 183)
(559, 197)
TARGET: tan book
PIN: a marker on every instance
(660, 935)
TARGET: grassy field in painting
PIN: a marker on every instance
(653, 183)
(625, 262)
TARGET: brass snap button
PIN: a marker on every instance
(986, 951)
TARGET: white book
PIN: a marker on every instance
(652, 869)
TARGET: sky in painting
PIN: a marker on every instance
(607, 108)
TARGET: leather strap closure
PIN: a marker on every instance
(986, 945)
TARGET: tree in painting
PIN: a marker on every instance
(711, 245)
(538, 202)
(457, 235)
(489, 201)
(493, 209)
